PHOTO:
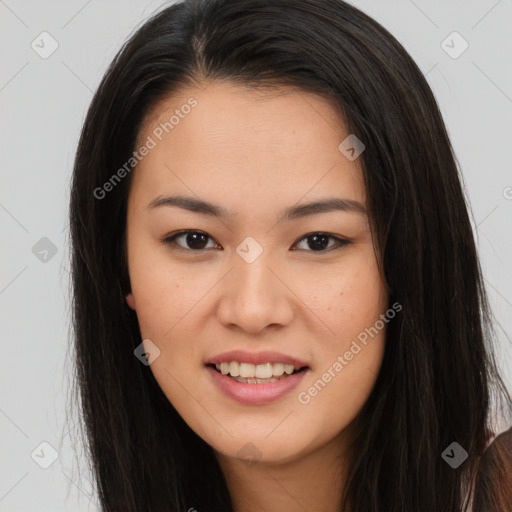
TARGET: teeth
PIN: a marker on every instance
(279, 369)
(234, 368)
(288, 368)
(247, 370)
(259, 371)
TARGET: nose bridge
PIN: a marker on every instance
(254, 297)
(251, 261)
(253, 280)
(253, 276)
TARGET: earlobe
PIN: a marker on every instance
(130, 300)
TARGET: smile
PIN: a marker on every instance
(252, 389)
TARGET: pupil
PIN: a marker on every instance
(320, 242)
(194, 238)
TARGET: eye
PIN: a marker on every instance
(196, 241)
(319, 241)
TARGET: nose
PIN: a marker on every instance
(255, 296)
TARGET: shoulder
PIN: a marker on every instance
(493, 485)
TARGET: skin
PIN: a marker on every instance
(255, 154)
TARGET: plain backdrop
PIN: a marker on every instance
(43, 102)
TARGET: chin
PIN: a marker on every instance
(252, 450)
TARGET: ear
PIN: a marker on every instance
(130, 300)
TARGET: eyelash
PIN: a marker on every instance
(171, 240)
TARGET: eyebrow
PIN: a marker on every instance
(291, 213)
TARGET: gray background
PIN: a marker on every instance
(43, 103)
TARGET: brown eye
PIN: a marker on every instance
(194, 240)
(319, 242)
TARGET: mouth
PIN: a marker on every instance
(248, 388)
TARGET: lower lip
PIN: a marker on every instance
(255, 393)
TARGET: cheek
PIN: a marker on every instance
(345, 375)
(165, 305)
(163, 292)
(351, 303)
(332, 400)
(347, 297)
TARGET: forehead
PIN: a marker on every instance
(245, 147)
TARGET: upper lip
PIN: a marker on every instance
(266, 356)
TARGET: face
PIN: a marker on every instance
(240, 275)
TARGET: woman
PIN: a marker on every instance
(277, 298)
